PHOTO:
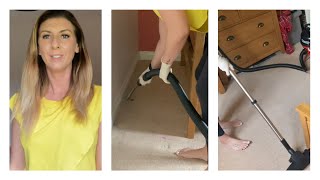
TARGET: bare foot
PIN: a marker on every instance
(201, 153)
(230, 124)
(235, 144)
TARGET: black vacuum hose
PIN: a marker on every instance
(240, 69)
(301, 56)
(201, 125)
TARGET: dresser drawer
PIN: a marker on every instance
(241, 34)
(254, 51)
(227, 18)
(248, 14)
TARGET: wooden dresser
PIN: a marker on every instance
(248, 36)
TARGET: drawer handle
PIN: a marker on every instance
(260, 25)
(222, 18)
(265, 44)
(230, 38)
(237, 57)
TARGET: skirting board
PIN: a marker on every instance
(148, 55)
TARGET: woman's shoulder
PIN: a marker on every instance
(97, 93)
(13, 100)
(97, 89)
(95, 107)
(14, 96)
(95, 86)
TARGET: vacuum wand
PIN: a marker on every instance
(254, 102)
(262, 113)
(132, 91)
(298, 160)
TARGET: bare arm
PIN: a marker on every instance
(17, 159)
(98, 150)
(161, 45)
(174, 31)
(177, 31)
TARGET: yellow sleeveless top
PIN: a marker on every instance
(57, 141)
(198, 19)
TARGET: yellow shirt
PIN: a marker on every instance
(58, 142)
(198, 19)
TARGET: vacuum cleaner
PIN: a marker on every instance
(192, 112)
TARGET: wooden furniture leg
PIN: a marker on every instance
(221, 88)
(222, 81)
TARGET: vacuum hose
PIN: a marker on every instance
(240, 69)
(201, 125)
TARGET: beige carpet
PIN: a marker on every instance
(278, 92)
(149, 129)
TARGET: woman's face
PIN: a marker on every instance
(57, 44)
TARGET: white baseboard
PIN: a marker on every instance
(148, 55)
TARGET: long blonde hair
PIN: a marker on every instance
(35, 81)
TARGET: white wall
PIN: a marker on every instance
(21, 24)
(124, 53)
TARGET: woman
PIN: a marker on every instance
(56, 121)
(174, 27)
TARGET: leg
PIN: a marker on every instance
(203, 59)
(202, 92)
(235, 144)
(229, 124)
(220, 130)
(201, 153)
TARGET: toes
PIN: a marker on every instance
(242, 146)
(181, 151)
(237, 123)
(177, 152)
(237, 147)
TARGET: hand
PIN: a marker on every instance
(224, 65)
(141, 81)
(164, 72)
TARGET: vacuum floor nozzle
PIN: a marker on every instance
(299, 161)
